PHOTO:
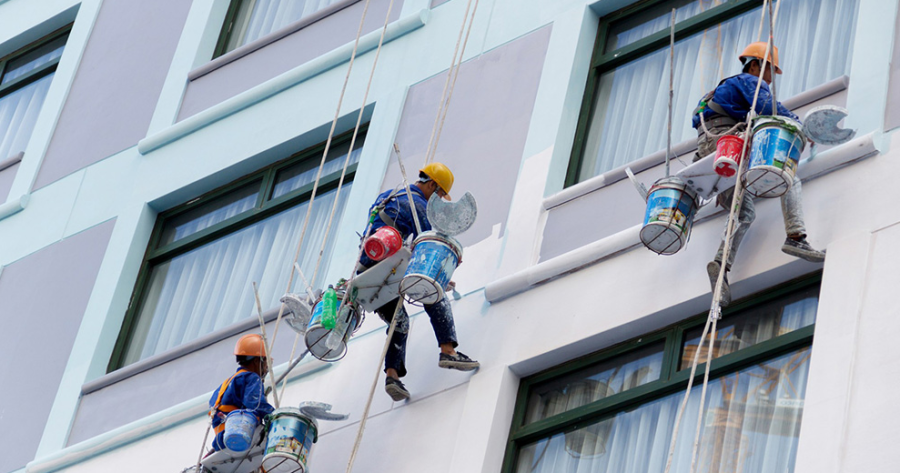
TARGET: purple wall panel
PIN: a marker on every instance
(484, 135)
(283, 55)
(42, 301)
(6, 181)
(117, 85)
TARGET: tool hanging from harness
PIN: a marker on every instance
(720, 117)
(219, 411)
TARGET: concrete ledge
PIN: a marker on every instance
(680, 149)
(278, 84)
(12, 160)
(268, 39)
(13, 207)
(828, 161)
(147, 426)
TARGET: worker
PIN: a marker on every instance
(724, 112)
(392, 208)
(244, 389)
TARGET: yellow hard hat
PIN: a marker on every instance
(440, 174)
(758, 50)
(250, 345)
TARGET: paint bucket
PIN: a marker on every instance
(331, 345)
(383, 243)
(671, 206)
(239, 428)
(289, 441)
(728, 155)
(433, 261)
(774, 156)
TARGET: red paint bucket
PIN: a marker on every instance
(383, 243)
(728, 155)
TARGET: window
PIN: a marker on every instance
(25, 77)
(204, 255)
(614, 411)
(623, 116)
(249, 20)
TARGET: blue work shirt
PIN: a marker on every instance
(735, 94)
(398, 209)
(245, 391)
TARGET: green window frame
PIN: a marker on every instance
(266, 206)
(604, 62)
(35, 74)
(671, 380)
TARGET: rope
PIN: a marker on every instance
(412, 205)
(715, 308)
(203, 446)
(671, 90)
(262, 329)
(365, 414)
(429, 155)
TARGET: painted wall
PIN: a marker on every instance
(43, 296)
(117, 85)
(285, 54)
(6, 180)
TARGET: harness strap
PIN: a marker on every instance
(217, 407)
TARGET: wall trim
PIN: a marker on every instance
(268, 39)
(680, 149)
(15, 206)
(625, 240)
(12, 160)
(278, 84)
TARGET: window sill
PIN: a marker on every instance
(268, 39)
(12, 161)
(13, 207)
(618, 243)
(283, 82)
(680, 149)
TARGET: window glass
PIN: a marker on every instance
(215, 211)
(653, 20)
(18, 113)
(28, 62)
(304, 173)
(756, 325)
(594, 383)
(209, 288)
(257, 18)
(751, 424)
(629, 109)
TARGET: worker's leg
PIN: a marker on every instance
(745, 218)
(395, 361)
(441, 316)
(795, 228)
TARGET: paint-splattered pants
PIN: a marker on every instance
(791, 203)
(441, 321)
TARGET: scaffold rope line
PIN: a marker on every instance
(262, 329)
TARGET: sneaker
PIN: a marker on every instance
(712, 269)
(802, 249)
(395, 389)
(459, 361)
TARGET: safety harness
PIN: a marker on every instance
(218, 408)
(381, 206)
(720, 116)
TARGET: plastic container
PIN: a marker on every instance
(728, 155)
(239, 428)
(329, 307)
(383, 243)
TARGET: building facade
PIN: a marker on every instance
(159, 158)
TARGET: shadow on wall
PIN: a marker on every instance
(483, 137)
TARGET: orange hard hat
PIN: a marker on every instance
(758, 50)
(250, 345)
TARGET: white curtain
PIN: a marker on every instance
(628, 122)
(210, 287)
(750, 425)
(18, 114)
(266, 16)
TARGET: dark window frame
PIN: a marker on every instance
(602, 63)
(671, 380)
(265, 207)
(227, 28)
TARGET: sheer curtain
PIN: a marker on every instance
(18, 114)
(210, 287)
(751, 425)
(261, 17)
(629, 115)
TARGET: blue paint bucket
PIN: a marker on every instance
(289, 441)
(774, 156)
(434, 259)
(239, 428)
(671, 205)
(320, 341)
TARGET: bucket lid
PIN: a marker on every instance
(784, 122)
(319, 410)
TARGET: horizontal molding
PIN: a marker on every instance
(611, 177)
(150, 425)
(268, 39)
(12, 207)
(625, 240)
(284, 81)
(12, 160)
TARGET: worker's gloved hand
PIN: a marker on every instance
(450, 286)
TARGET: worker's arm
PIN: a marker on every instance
(764, 100)
(254, 395)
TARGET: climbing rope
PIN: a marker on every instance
(449, 84)
(715, 311)
(262, 329)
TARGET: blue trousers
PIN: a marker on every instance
(441, 321)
